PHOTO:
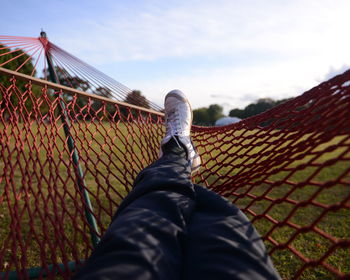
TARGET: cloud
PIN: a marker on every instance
(211, 28)
(335, 71)
(266, 48)
(249, 97)
(221, 96)
(242, 85)
(294, 43)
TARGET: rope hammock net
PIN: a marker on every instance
(69, 154)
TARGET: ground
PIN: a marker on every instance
(38, 181)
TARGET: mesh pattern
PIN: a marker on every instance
(287, 169)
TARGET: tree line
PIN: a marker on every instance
(209, 115)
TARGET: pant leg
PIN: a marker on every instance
(223, 244)
(165, 229)
(146, 237)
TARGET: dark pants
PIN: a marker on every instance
(168, 228)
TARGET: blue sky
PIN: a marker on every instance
(229, 52)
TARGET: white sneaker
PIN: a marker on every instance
(178, 121)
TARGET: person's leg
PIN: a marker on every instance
(164, 223)
(145, 239)
(223, 244)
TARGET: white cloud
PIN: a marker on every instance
(335, 71)
(236, 87)
(304, 39)
(312, 27)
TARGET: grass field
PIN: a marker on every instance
(300, 177)
(37, 178)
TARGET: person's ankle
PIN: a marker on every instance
(174, 146)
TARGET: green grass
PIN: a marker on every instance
(267, 168)
(255, 167)
(38, 179)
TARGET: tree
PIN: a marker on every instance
(64, 78)
(257, 108)
(22, 58)
(97, 104)
(207, 116)
(136, 98)
(19, 61)
(103, 91)
(260, 106)
(201, 116)
(215, 113)
(237, 113)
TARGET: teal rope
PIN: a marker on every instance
(79, 172)
(35, 272)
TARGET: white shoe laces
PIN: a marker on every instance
(170, 128)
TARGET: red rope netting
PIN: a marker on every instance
(288, 169)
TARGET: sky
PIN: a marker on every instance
(226, 52)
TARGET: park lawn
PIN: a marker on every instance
(107, 161)
(122, 151)
(255, 197)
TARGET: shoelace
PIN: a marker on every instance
(173, 131)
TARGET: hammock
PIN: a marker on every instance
(68, 158)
